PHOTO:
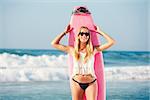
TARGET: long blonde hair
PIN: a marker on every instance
(89, 46)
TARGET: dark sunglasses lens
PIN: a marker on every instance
(86, 33)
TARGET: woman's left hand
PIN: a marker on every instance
(98, 30)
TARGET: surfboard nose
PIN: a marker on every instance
(81, 10)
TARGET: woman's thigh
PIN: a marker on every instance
(91, 91)
(76, 91)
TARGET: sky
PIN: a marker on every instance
(33, 24)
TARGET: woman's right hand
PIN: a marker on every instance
(67, 29)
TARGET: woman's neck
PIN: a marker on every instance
(82, 46)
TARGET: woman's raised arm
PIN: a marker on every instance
(55, 43)
(110, 41)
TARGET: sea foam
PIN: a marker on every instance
(26, 68)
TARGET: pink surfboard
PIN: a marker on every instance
(82, 17)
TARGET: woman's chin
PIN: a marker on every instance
(84, 41)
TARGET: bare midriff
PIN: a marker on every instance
(86, 78)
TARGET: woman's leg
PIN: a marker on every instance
(76, 91)
(91, 91)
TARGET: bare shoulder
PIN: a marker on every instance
(71, 50)
(95, 49)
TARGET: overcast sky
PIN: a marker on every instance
(32, 24)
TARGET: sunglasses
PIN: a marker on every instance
(84, 33)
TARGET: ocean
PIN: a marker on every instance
(31, 74)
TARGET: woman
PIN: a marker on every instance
(83, 77)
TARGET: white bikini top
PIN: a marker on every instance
(79, 67)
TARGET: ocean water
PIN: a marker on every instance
(60, 90)
(27, 74)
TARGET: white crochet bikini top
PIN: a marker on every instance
(79, 67)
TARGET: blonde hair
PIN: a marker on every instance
(89, 47)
